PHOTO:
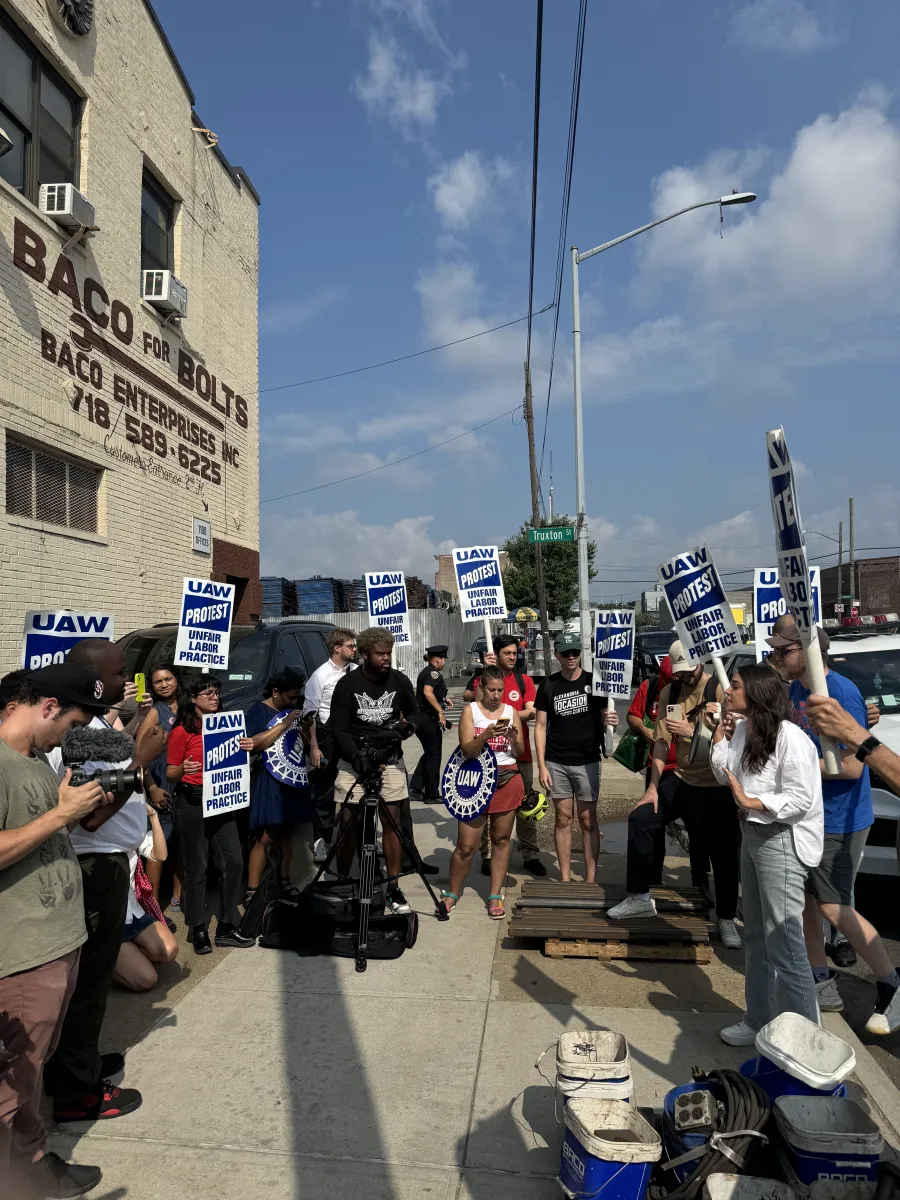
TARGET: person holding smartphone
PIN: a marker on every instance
(199, 833)
(492, 723)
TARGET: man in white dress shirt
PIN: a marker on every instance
(323, 760)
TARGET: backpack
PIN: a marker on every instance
(701, 741)
(268, 893)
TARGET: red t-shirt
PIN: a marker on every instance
(639, 709)
(182, 746)
(515, 698)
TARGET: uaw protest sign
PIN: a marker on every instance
(226, 768)
(699, 605)
(790, 544)
(614, 652)
(479, 583)
(49, 636)
(769, 604)
(388, 608)
(204, 628)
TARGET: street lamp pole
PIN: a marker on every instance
(584, 603)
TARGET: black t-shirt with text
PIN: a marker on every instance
(574, 720)
(360, 709)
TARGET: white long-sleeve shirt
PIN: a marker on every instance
(320, 687)
(789, 785)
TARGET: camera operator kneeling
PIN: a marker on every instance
(185, 770)
(370, 711)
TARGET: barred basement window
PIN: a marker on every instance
(47, 487)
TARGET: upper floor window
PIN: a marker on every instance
(47, 487)
(39, 113)
(157, 219)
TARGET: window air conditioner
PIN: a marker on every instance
(165, 292)
(66, 205)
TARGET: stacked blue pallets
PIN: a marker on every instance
(279, 597)
(319, 595)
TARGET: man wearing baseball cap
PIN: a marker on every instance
(568, 734)
(847, 800)
(42, 924)
(692, 792)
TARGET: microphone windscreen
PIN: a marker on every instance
(96, 745)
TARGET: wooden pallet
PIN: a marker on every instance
(580, 928)
(668, 952)
(540, 893)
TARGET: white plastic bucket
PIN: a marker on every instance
(593, 1054)
(595, 1089)
(804, 1050)
(828, 1137)
(590, 1119)
(746, 1187)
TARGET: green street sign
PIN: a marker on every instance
(552, 533)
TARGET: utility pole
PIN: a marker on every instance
(550, 517)
(852, 557)
(840, 579)
(536, 523)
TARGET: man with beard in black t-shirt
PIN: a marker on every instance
(568, 734)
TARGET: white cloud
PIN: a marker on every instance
(291, 314)
(418, 14)
(463, 189)
(788, 26)
(454, 306)
(342, 544)
(405, 96)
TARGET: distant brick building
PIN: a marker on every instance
(876, 586)
(121, 423)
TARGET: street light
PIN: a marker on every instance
(584, 604)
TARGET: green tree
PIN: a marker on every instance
(560, 571)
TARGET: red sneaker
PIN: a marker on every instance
(104, 1104)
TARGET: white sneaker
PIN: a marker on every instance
(886, 1017)
(633, 906)
(729, 936)
(828, 996)
(320, 851)
(741, 1034)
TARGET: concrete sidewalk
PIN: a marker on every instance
(271, 1075)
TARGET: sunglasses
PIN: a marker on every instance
(569, 653)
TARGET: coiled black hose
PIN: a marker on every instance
(747, 1106)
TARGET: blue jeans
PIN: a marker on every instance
(777, 977)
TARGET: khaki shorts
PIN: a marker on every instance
(394, 784)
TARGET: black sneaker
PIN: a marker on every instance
(111, 1064)
(486, 867)
(51, 1177)
(397, 901)
(198, 936)
(535, 867)
(841, 954)
(104, 1104)
(229, 935)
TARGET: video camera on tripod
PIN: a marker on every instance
(371, 756)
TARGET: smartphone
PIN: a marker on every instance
(715, 708)
(140, 682)
(675, 712)
(502, 722)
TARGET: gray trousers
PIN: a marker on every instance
(526, 831)
(777, 977)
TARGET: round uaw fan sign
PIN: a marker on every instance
(284, 759)
(468, 784)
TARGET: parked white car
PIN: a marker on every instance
(873, 664)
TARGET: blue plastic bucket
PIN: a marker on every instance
(828, 1138)
(675, 1141)
(776, 1083)
(608, 1151)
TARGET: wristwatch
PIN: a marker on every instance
(870, 744)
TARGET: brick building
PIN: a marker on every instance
(877, 586)
(123, 422)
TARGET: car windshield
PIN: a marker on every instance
(875, 672)
(248, 657)
(657, 643)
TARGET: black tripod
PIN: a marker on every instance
(363, 826)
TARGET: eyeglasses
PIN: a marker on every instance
(569, 653)
(782, 650)
(208, 694)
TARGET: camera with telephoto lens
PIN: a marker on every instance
(100, 747)
(370, 758)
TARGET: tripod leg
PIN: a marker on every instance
(367, 859)
(347, 828)
(387, 816)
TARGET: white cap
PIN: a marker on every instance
(678, 658)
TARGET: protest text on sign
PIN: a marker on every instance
(479, 583)
(614, 652)
(388, 606)
(226, 767)
(699, 605)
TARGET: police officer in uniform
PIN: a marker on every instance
(431, 694)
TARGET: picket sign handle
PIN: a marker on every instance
(610, 707)
(818, 687)
(720, 674)
(487, 636)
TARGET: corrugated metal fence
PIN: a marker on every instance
(428, 626)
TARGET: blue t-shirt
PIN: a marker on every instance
(848, 802)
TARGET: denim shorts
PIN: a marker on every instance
(831, 882)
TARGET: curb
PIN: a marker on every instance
(882, 1094)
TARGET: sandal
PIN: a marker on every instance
(452, 896)
(496, 911)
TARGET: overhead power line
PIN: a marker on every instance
(564, 212)
(281, 387)
(394, 461)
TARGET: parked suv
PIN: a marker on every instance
(257, 653)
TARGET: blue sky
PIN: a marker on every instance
(391, 141)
